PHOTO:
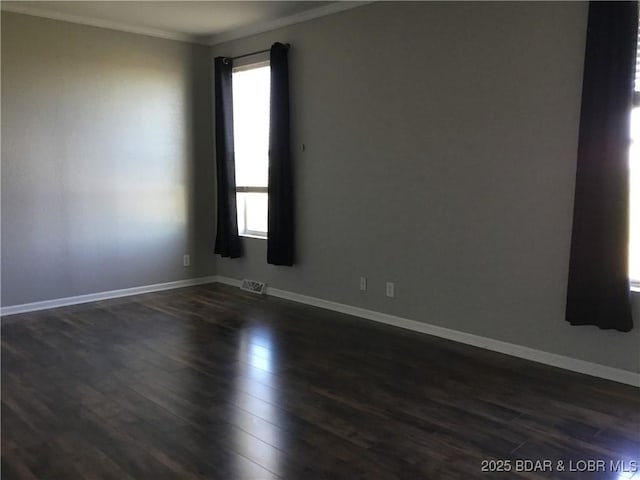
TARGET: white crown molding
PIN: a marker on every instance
(514, 350)
(261, 27)
(94, 297)
(95, 22)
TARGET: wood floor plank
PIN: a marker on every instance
(211, 382)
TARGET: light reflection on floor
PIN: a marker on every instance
(256, 395)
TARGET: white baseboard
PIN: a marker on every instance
(94, 297)
(547, 358)
(552, 359)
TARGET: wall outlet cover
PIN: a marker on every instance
(391, 289)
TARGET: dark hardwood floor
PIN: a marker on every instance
(210, 382)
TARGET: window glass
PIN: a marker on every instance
(251, 88)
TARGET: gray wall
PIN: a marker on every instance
(440, 154)
(106, 160)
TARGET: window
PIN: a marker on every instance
(251, 84)
(634, 179)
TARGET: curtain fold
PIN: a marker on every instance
(227, 238)
(280, 238)
(598, 284)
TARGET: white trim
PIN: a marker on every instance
(235, 34)
(251, 234)
(305, 16)
(94, 297)
(547, 358)
(257, 60)
(238, 283)
(96, 22)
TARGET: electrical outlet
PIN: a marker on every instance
(186, 260)
(391, 289)
(363, 284)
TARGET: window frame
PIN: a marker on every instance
(633, 282)
(252, 62)
(246, 232)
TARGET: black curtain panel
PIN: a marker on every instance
(280, 239)
(227, 238)
(598, 287)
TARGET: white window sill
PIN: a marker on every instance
(253, 235)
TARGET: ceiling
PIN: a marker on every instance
(208, 22)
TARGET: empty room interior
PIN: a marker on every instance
(337, 240)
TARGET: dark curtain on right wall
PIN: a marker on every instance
(598, 287)
(280, 240)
